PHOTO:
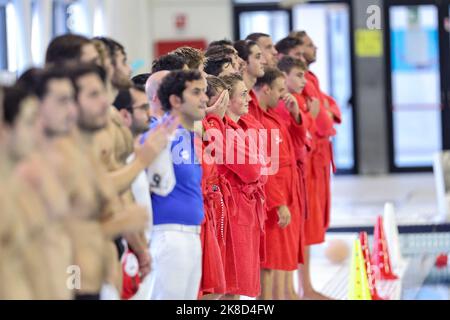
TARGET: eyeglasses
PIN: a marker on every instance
(143, 107)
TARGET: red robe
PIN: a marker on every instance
(320, 162)
(216, 236)
(302, 141)
(284, 247)
(253, 123)
(247, 221)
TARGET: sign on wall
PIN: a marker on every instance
(166, 46)
(369, 43)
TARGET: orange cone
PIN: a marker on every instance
(380, 258)
(363, 238)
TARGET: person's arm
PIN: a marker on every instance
(334, 109)
(292, 118)
(137, 242)
(124, 177)
(131, 219)
(146, 153)
(292, 106)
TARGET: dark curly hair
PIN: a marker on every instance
(175, 84)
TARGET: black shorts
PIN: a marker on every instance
(120, 247)
(87, 297)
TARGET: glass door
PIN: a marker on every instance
(415, 85)
(418, 93)
(250, 17)
(329, 26)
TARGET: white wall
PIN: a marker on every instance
(137, 24)
(206, 19)
(128, 22)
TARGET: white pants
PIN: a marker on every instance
(177, 262)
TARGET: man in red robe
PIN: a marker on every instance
(294, 70)
(285, 199)
(323, 114)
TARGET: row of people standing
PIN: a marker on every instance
(207, 178)
(262, 214)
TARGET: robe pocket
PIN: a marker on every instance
(246, 211)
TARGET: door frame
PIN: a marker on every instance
(239, 8)
(264, 6)
(444, 61)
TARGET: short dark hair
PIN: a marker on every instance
(223, 42)
(112, 46)
(37, 80)
(287, 63)
(214, 64)
(244, 48)
(300, 35)
(175, 84)
(84, 70)
(192, 57)
(13, 96)
(287, 44)
(219, 50)
(168, 62)
(140, 80)
(231, 81)
(215, 84)
(65, 48)
(123, 100)
(256, 36)
(270, 75)
(29, 78)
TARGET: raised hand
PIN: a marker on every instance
(156, 141)
(220, 106)
(314, 107)
(292, 106)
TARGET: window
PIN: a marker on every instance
(3, 40)
(36, 34)
(11, 38)
(329, 27)
(73, 16)
(78, 21)
(254, 1)
(60, 17)
(274, 23)
(416, 84)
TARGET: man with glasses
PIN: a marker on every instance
(134, 108)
